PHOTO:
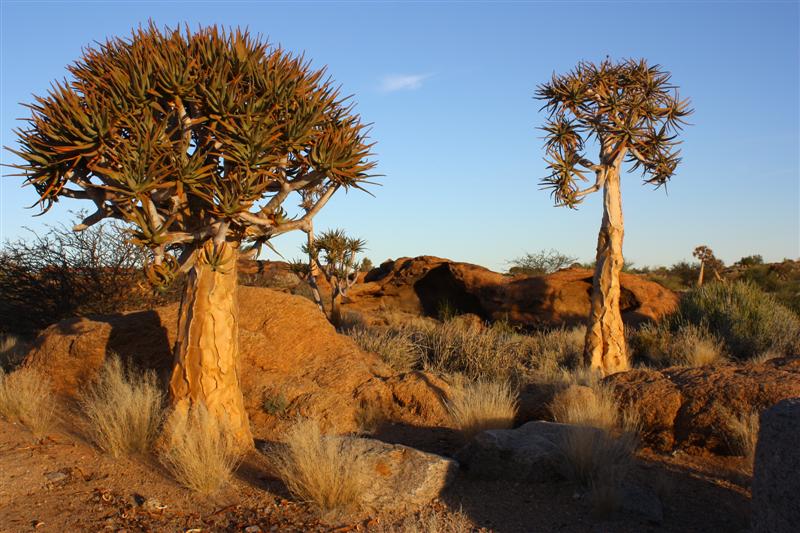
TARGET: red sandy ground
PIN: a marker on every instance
(63, 484)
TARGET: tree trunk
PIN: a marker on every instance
(336, 295)
(207, 345)
(605, 336)
(700, 276)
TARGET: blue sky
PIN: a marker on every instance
(449, 89)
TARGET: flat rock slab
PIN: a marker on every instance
(400, 478)
(527, 453)
(776, 473)
(397, 478)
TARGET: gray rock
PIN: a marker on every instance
(776, 472)
(57, 476)
(642, 502)
(527, 453)
(400, 478)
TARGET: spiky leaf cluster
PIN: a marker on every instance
(629, 109)
(193, 136)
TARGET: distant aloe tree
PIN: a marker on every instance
(629, 112)
(195, 140)
(705, 255)
(336, 256)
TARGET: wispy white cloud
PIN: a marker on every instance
(403, 82)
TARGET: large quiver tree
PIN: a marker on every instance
(630, 112)
(196, 140)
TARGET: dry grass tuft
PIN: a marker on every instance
(593, 457)
(124, 409)
(583, 405)
(12, 352)
(743, 430)
(322, 470)
(428, 521)
(26, 397)
(394, 347)
(476, 406)
(199, 450)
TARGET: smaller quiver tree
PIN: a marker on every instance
(335, 255)
(705, 255)
(195, 140)
(629, 112)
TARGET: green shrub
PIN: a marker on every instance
(748, 320)
(683, 344)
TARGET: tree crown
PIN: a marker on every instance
(193, 138)
(629, 108)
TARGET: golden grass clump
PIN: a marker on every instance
(394, 347)
(199, 450)
(123, 408)
(12, 352)
(322, 470)
(477, 406)
(743, 433)
(26, 397)
(581, 405)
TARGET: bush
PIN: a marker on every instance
(199, 451)
(322, 470)
(688, 345)
(748, 320)
(26, 397)
(123, 409)
(476, 406)
(64, 273)
(542, 262)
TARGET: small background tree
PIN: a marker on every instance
(195, 140)
(336, 256)
(543, 262)
(705, 255)
(629, 112)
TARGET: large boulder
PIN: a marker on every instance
(776, 473)
(291, 358)
(419, 286)
(690, 408)
(528, 453)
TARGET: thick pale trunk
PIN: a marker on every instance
(700, 276)
(605, 336)
(207, 346)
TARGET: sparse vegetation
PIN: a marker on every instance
(123, 408)
(428, 520)
(742, 429)
(26, 397)
(591, 406)
(320, 469)
(273, 403)
(199, 450)
(476, 406)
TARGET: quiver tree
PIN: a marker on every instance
(335, 256)
(705, 255)
(630, 113)
(195, 140)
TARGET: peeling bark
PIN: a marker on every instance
(207, 346)
(605, 350)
